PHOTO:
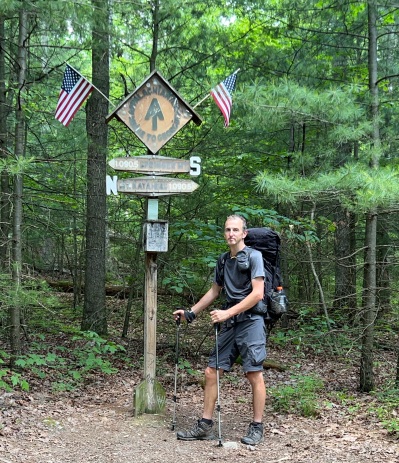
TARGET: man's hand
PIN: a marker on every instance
(178, 314)
(219, 316)
(187, 315)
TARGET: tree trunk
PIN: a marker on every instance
(383, 265)
(155, 35)
(369, 314)
(345, 264)
(370, 266)
(4, 180)
(94, 312)
(397, 368)
(15, 309)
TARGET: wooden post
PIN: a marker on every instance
(149, 395)
(150, 326)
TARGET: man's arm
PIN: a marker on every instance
(206, 300)
(248, 302)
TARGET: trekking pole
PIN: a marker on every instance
(176, 368)
(217, 327)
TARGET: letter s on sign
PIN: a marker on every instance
(195, 166)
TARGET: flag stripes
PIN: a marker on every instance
(222, 95)
(74, 91)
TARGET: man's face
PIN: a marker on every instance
(234, 232)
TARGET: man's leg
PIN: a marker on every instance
(202, 430)
(258, 394)
(227, 352)
(255, 431)
(210, 392)
(253, 354)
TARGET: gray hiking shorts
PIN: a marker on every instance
(246, 338)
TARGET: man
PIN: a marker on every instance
(242, 332)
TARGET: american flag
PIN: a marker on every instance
(74, 91)
(222, 94)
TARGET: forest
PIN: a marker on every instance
(309, 151)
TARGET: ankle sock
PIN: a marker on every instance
(208, 422)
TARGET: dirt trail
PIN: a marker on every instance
(99, 427)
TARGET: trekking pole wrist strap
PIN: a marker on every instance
(189, 315)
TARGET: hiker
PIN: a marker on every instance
(242, 333)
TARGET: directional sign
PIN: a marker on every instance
(155, 186)
(154, 165)
(155, 112)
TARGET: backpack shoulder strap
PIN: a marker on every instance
(221, 263)
(223, 257)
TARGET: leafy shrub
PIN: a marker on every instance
(312, 332)
(10, 380)
(386, 408)
(91, 354)
(299, 397)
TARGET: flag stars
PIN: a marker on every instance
(71, 78)
(74, 91)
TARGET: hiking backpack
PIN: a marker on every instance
(275, 302)
(268, 242)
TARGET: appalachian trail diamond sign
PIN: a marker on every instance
(155, 112)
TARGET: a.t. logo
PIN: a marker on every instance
(155, 112)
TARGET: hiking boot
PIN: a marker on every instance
(254, 435)
(200, 431)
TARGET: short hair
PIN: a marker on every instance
(239, 217)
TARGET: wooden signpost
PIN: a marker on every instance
(155, 186)
(153, 165)
(154, 112)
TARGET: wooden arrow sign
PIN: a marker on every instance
(155, 186)
(154, 165)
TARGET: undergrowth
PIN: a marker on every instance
(299, 397)
(66, 367)
(62, 355)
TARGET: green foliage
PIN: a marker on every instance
(300, 139)
(261, 217)
(187, 367)
(32, 293)
(16, 166)
(311, 333)
(93, 354)
(386, 408)
(66, 369)
(356, 188)
(382, 405)
(300, 397)
(199, 244)
(10, 380)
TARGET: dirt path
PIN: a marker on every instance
(99, 427)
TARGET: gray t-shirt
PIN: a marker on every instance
(235, 277)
